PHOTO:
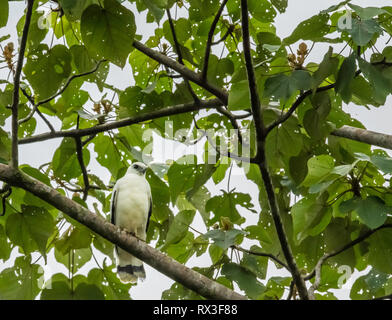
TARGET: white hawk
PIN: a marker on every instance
(131, 210)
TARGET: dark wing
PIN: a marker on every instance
(113, 209)
(149, 214)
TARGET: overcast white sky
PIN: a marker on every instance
(377, 119)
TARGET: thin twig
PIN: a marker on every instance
(210, 38)
(262, 254)
(179, 54)
(15, 99)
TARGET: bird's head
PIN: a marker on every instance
(137, 168)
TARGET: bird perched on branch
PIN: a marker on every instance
(131, 210)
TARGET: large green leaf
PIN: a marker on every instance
(179, 226)
(225, 205)
(65, 161)
(30, 229)
(362, 31)
(245, 279)
(196, 175)
(319, 168)
(366, 13)
(108, 32)
(380, 250)
(373, 211)
(5, 247)
(3, 13)
(345, 76)
(282, 86)
(224, 239)
(46, 69)
(310, 29)
(281, 5)
(73, 9)
(326, 68)
(21, 281)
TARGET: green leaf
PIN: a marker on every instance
(369, 286)
(20, 282)
(5, 248)
(60, 290)
(279, 87)
(5, 147)
(255, 264)
(108, 155)
(310, 29)
(239, 96)
(156, 8)
(108, 32)
(245, 279)
(65, 161)
(196, 175)
(327, 67)
(335, 7)
(46, 69)
(319, 168)
(383, 163)
(281, 5)
(224, 239)
(73, 9)
(366, 13)
(3, 13)
(30, 229)
(107, 281)
(310, 217)
(362, 31)
(179, 226)
(380, 250)
(225, 205)
(336, 235)
(262, 10)
(372, 211)
(314, 120)
(345, 77)
(282, 86)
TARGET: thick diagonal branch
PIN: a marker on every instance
(166, 265)
(18, 72)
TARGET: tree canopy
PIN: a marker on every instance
(213, 74)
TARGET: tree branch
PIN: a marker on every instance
(294, 107)
(209, 40)
(184, 71)
(262, 254)
(15, 98)
(261, 158)
(168, 111)
(366, 136)
(35, 109)
(164, 264)
(179, 54)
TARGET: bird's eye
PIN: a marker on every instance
(136, 166)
